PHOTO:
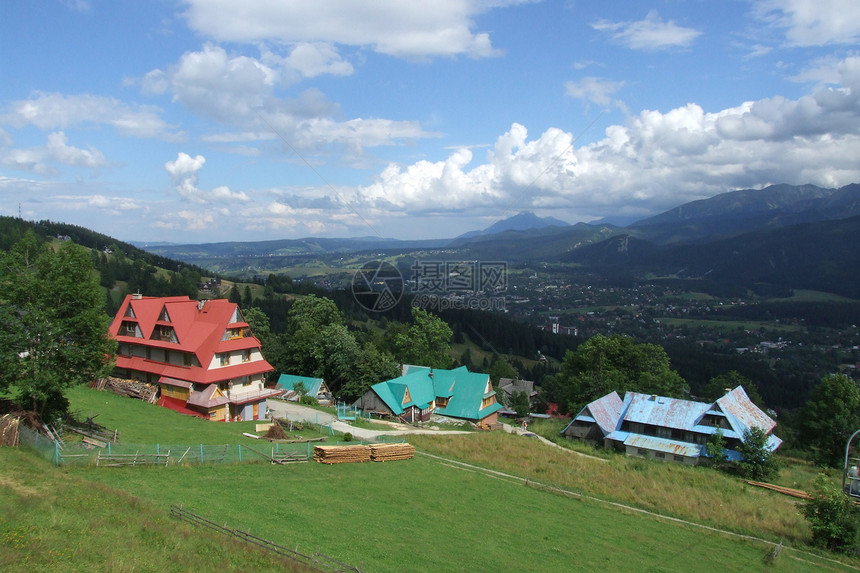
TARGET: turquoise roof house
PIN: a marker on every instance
(423, 391)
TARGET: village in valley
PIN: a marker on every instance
(467, 285)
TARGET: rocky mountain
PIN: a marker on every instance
(522, 221)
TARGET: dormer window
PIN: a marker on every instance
(129, 312)
(164, 317)
(165, 333)
(129, 328)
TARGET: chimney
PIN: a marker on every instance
(431, 372)
(136, 296)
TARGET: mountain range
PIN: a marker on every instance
(793, 236)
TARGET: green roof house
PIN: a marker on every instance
(423, 391)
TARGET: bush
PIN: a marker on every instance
(347, 437)
(307, 400)
(832, 516)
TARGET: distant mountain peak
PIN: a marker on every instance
(522, 221)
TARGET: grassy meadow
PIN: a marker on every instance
(421, 514)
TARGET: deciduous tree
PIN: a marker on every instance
(55, 332)
(832, 516)
(757, 462)
(603, 364)
(426, 342)
(830, 416)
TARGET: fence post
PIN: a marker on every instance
(309, 450)
(201, 453)
(108, 448)
(56, 453)
(240, 453)
(157, 449)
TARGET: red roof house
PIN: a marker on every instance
(202, 354)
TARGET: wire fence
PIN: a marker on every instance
(122, 454)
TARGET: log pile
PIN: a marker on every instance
(9, 430)
(391, 452)
(130, 388)
(341, 454)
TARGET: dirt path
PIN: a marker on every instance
(299, 413)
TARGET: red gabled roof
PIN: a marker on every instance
(199, 327)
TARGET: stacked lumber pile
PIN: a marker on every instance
(781, 489)
(341, 454)
(391, 452)
(9, 430)
(130, 388)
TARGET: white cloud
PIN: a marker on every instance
(654, 162)
(651, 34)
(318, 58)
(594, 90)
(403, 29)
(813, 22)
(42, 160)
(183, 174)
(49, 111)
(240, 91)
(58, 150)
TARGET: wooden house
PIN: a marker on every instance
(202, 354)
(669, 428)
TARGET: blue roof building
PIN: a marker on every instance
(315, 387)
(668, 428)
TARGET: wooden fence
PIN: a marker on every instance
(316, 562)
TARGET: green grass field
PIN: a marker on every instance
(424, 514)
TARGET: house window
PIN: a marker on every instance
(130, 329)
(225, 359)
(659, 455)
(186, 358)
(441, 402)
(167, 356)
(165, 333)
(679, 458)
(246, 355)
(664, 432)
(129, 312)
(642, 451)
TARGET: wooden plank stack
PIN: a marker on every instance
(391, 452)
(341, 454)
(781, 489)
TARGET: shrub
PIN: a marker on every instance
(308, 400)
(832, 516)
(347, 437)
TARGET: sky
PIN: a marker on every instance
(196, 121)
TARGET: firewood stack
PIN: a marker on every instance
(391, 452)
(341, 454)
(9, 430)
(130, 388)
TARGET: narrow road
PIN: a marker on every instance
(299, 413)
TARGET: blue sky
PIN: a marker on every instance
(202, 121)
